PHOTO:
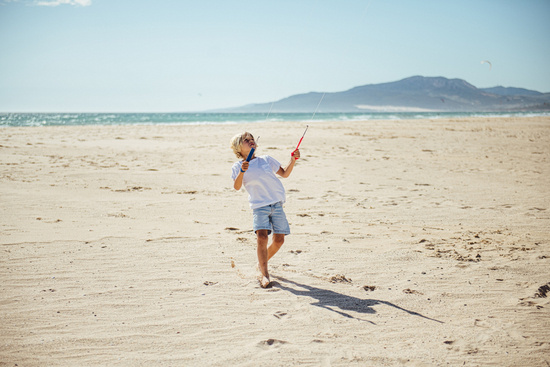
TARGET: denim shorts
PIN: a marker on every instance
(271, 217)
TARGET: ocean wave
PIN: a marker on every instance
(105, 119)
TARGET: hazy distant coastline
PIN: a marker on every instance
(414, 94)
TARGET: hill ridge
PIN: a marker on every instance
(415, 93)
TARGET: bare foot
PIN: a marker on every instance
(265, 282)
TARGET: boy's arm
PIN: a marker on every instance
(285, 172)
(238, 183)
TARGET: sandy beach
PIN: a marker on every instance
(414, 243)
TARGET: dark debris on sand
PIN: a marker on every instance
(543, 291)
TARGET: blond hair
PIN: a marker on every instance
(237, 143)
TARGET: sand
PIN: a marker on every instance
(416, 243)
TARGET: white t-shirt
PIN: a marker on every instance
(263, 187)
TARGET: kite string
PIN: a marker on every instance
(318, 104)
(270, 108)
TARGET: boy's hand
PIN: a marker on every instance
(244, 166)
(296, 154)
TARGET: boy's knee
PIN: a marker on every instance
(279, 239)
(262, 234)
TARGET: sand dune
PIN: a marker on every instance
(414, 243)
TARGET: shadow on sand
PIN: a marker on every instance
(330, 300)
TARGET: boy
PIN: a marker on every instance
(266, 196)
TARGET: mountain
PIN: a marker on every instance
(417, 93)
(509, 91)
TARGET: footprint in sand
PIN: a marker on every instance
(271, 343)
(280, 314)
(412, 291)
(339, 278)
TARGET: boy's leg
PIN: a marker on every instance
(262, 239)
(261, 225)
(280, 229)
(278, 240)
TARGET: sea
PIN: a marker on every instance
(210, 118)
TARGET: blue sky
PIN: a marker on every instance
(179, 55)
